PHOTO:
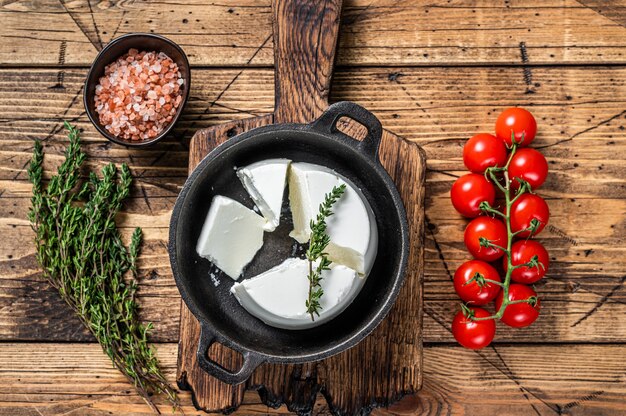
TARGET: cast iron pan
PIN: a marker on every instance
(221, 317)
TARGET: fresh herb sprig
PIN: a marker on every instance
(82, 254)
(318, 243)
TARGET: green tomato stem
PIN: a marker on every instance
(495, 282)
(506, 189)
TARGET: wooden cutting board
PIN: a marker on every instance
(388, 363)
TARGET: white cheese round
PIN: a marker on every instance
(232, 234)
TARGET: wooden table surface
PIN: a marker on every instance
(434, 72)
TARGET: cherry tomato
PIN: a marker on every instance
(517, 121)
(473, 293)
(519, 315)
(529, 165)
(473, 334)
(482, 151)
(524, 210)
(522, 252)
(489, 228)
(469, 191)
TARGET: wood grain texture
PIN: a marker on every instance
(305, 36)
(576, 380)
(581, 120)
(374, 33)
(394, 349)
(581, 129)
(305, 40)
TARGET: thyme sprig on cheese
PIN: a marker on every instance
(317, 244)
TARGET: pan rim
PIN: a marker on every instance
(396, 281)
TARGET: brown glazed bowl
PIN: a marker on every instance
(118, 47)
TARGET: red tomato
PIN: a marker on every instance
(527, 207)
(522, 252)
(519, 315)
(517, 121)
(469, 191)
(473, 334)
(489, 228)
(529, 165)
(482, 151)
(473, 293)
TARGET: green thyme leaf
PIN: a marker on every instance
(82, 254)
(318, 243)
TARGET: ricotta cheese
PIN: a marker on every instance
(278, 296)
(231, 236)
(265, 182)
(352, 227)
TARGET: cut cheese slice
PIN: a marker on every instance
(278, 296)
(231, 236)
(265, 182)
(352, 227)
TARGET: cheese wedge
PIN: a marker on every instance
(231, 236)
(352, 227)
(278, 296)
(265, 182)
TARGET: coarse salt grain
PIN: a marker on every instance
(139, 94)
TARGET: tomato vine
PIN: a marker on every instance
(504, 164)
(491, 175)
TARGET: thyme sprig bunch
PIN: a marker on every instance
(82, 255)
(510, 197)
(318, 243)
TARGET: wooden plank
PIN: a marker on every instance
(394, 348)
(379, 32)
(29, 310)
(581, 121)
(514, 380)
(433, 106)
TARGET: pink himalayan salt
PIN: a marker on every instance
(139, 94)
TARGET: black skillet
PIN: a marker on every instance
(221, 317)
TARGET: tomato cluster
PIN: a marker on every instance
(498, 195)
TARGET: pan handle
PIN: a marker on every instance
(327, 123)
(250, 360)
